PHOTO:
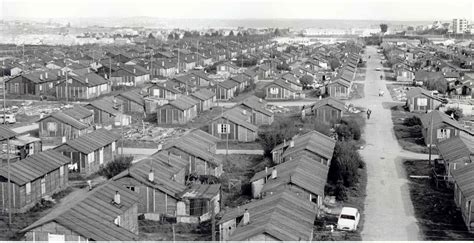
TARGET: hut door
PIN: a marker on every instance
(101, 156)
(43, 186)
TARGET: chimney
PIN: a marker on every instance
(260, 100)
(59, 73)
(41, 115)
(160, 146)
(63, 139)
(87, 80)
(117, 198)
(246, 219)
(292, 144)
(162, 63)
(244, 112)
(266, 170)
(41, 76)
(173, 178)
(151, 175)
(134, 70)
(88, 70)
(274, 173)
(46, 75)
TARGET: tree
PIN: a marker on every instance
(187, 34)
(334, 63)
(410, 28)
(306, 80)
(455, 112)
(116, 166)
(269, 136)
(277, 32)
(231, 33)
(345, 164)
(383, 28)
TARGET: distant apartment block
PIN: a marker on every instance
(460, 26)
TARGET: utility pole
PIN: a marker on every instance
(174, 235)
(431, 137)
(121, 133)
(9, 186)
(213, 220)
(67, 91)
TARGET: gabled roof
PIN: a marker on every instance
(93, 216)
(203, 94)
(134, 96)
(165, 87)
(165, 166)
(282, 83)
(89, 79)
(283, 215)
(330, 101)
(235, 115)
(92, 141)
(184, 102)
(420, 91)
(227, 84)
(312, 141)
(257, 104)
(340, 81)
(458, 148)
(78, 112)
(104, 105)
(6, 133)
(196, 143)
(60, 116)
(439, 118)
(464, 178)
(303, 172)
(34, 167)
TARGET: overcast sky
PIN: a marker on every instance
(235, 9)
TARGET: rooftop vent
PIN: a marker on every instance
(151, 175)
(117, 198)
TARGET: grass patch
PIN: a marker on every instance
(357, 91)
(435, 209)
(409, 137)
(163, 231)
(239, 169)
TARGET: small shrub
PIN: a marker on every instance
(412, 121)
(348, 129)
(345, 164)
(116, 166)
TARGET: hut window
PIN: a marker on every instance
(52, 126)
(90, 157)
(28, 188)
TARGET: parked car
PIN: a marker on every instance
(7, 119)
(348, 219)
(377, 69)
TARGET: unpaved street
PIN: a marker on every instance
(389, 210)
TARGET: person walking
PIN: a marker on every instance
(368, 113)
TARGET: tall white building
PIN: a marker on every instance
(459, 26)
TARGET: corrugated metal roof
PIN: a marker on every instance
(196, 145)
(315, 142)
(92, 141)
(164, 166)
(235, 115)
(284, 216)
(34, 166)
(303, 172)
(464, 178)
(457, 148)
(60, 116)
(78, 112)
(257, 104)
(439, 118)
(104, 105)
(93, 217)
(203, 94)
(331, 101)
(6, 133)
(184, 102)
(133, 96)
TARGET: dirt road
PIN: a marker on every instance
(388, 207)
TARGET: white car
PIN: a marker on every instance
(348, 219)
(377, 69)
